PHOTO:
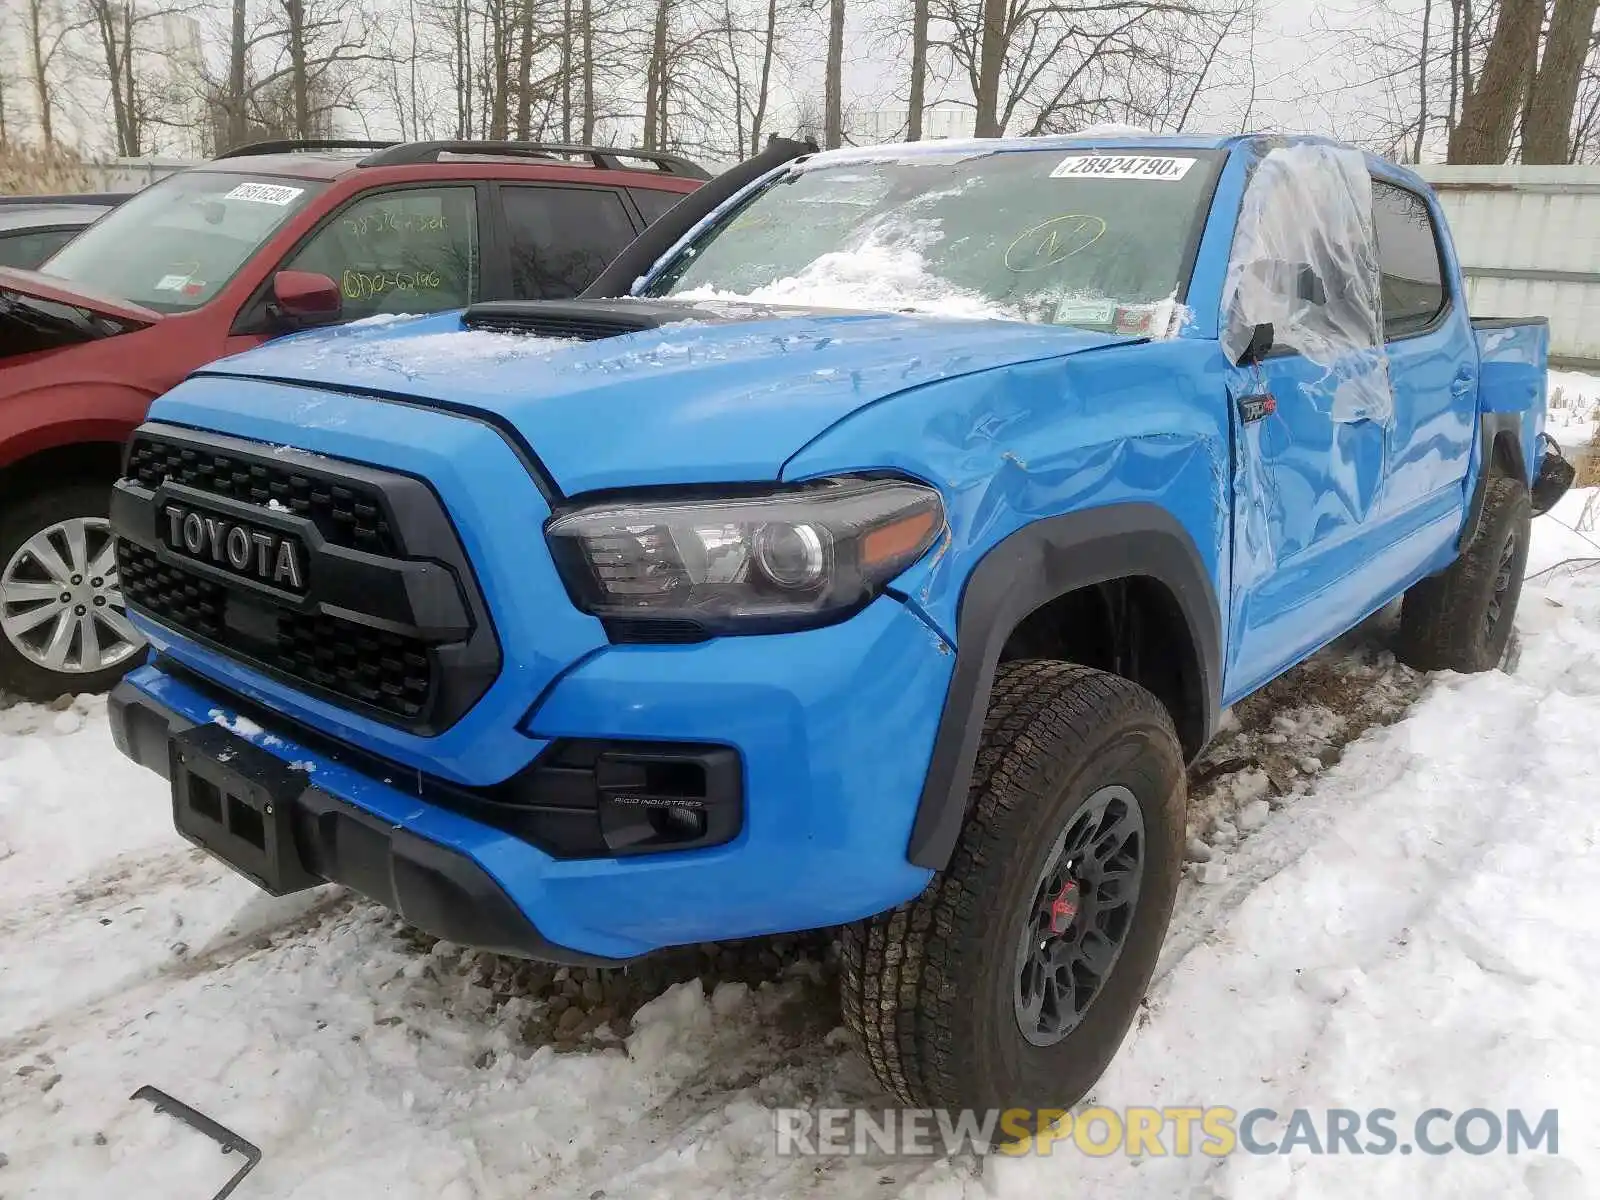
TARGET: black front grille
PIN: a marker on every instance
(344, 514)
(373, 667)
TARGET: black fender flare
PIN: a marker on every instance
(1019, 574)
(1499, 444)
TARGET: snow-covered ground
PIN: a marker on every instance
(1409, 927)
(1574, 408)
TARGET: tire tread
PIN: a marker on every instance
(899, 993)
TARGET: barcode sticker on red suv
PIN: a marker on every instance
(1122, 166)
(265, 193)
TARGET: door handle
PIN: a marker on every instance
(1461, 385)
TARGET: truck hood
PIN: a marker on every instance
(712, 393)
(41, 313)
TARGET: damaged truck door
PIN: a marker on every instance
(1344, 493)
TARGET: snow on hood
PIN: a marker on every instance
(698, 401)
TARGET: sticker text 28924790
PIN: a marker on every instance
(265, 193)
(1122, 166)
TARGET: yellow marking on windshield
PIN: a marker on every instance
(363, 285)
(1053, 241)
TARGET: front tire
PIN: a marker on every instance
(62, 624)
(1013, 978)
(1461, 619)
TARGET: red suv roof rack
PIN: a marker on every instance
(605, 157)
(294, 145)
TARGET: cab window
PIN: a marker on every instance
(413, 250)
(562, 238)
(1412, 278)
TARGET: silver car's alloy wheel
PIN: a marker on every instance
(60, 601)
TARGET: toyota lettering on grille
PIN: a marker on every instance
(246, 550)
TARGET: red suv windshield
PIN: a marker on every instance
(177, 243)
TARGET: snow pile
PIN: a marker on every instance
(1273, 745)
(1112, 129)
(378, 355)
(378, 320)
(1416, 932)
(1569, 536)
(1573, 408)
(878, 275)
(457, 350)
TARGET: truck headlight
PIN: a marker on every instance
(782, 558)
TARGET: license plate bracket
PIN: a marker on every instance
(237, 801)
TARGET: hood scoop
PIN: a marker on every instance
(583, 321)
(596, 320)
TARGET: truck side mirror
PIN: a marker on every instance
(1309, 286)
(1258, 347)
(305, 298)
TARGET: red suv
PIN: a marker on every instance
(270, 239)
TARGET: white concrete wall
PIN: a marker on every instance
(131, 174)
(1529, 243)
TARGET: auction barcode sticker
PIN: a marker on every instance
(1122, 166)
(264, 193)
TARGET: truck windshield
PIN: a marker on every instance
(1074, 237)
(177, 243)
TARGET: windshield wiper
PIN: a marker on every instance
(45, 325)
(45, 320)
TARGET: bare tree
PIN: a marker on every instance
(45, 30)
(919, 70)
(294, 65)
(1410, 70)
(769, 48)
(586, 21)
(418, 83)
(1586, 117)
(736, 70)
(236, 98)
(1037, 66)
(1422, 83)
(656, 79)
(986, 61)
(833, 79)
(1488, 116)
(114, 26)
(1553, 96)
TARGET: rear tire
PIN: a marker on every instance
(1462, 618)
(57, 635)
(948, 994)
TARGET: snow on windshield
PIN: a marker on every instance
(874, 276)
(1087, 238)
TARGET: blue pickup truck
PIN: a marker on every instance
(876, 555)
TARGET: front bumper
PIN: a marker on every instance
(834, 728)
(434, 887)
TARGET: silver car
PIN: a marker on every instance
(32, 228)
